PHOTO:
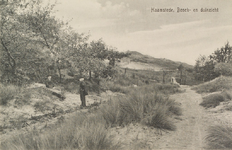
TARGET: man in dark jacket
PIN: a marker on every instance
(83, 92)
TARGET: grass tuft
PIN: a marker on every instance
(219, 137)
(159, 120)
(212, 100)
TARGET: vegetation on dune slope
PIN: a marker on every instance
(218, 84)
(212, 100)
(90, 131)
(138, 57)
(142, 105)
(79, 132)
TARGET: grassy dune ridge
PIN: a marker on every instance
(148, 105)
(218, 84)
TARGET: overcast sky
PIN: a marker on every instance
(130, 25)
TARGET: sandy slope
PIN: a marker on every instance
(17, 119)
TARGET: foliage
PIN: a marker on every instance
(208, 68)
(219, 137)
(204, 69)
(222, 55)
(35, 44)
(224, 69)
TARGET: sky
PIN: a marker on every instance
(131, 25)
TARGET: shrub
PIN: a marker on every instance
(219, 137)
(8, 92)
(212, 100)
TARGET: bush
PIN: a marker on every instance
(212, 100)
(219, 137)
(8, 92)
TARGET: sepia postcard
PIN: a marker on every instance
(115, 74)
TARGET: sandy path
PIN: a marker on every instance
(191, 130)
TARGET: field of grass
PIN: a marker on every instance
(219, 137)
(218, 84)
(148, 105)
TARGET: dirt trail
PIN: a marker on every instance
(191, 130)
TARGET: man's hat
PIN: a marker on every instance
(81, 79)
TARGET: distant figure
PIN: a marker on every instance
(83, 92)
(173, 81)
(49, 83)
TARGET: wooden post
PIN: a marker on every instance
(163, 77)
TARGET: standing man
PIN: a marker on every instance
(83, 92)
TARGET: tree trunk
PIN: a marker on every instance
(10, 57)
(58, 68)
(163, 77)
(181, 77)
(90, 75)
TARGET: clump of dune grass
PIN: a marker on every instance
(219, 137)
(79, 132)
(110, 112)
(8, 92)
(175, 109)
(218, 84)
(227, 94)
(212, 100)
(151, 109)
(159, 120)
